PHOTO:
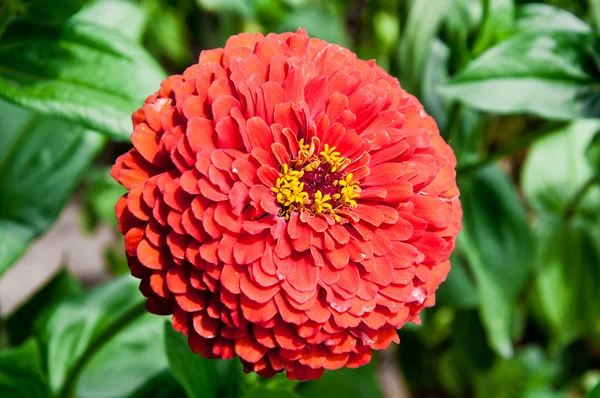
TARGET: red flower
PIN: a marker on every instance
(288, 203)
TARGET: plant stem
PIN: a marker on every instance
(517, 145)
(7, 11)
(575, 201)
(96, 344)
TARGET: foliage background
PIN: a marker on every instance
(515, 88)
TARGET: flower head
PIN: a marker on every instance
(288, 203)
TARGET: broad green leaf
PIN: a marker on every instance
(41, 161)
(123, 16)
(48, 12)
(496, 241)
(547, 18)
(79, 72)
(21, 373)
(497, 25)
(555, 80)
(319, 21)
(163, 385)
(348, 383)
(556, 168)
(20, 323)
(127, 362)
(197, 375)
(82, 325)
(415, 42)
(568, 276)
(268, 393)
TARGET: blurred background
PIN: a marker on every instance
(515, 89)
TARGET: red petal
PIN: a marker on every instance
(249, 248)
(206, 326)
(288, 313)
(177, 279)
(256, 312)
(230, 278)
(383, 272)
(192, 301)
(249, 349)
(349, 278)
(152, 257)
(259, 133)
(256, 292)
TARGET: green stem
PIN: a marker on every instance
(575, 201)
(515, 146)
(7, 11)
(96, 344)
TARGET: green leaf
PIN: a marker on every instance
(319, 21)
(197, 375)
(20, 323)
(21, 374)
(555, 80)
(82, 325)
(49, 12)
(555, 170)
(415, 42)
(540, 17)
(267, 393)
(41, 161)
(80, 72)
(568, 276)
(163, 385)
(349, 383)
(497, 25)
(123, 16)
(127, 362)
(496, 241)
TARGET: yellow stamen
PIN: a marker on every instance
(289, 189)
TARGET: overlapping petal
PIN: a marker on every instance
(205, 233)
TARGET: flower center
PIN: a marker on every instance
(316, 182)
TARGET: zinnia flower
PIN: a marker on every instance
(288, 203)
